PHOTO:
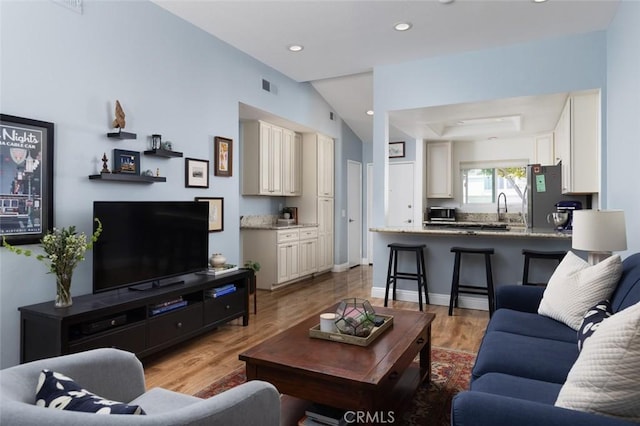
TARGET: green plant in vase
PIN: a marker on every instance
(64, 249)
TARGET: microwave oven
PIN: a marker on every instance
(441, 214)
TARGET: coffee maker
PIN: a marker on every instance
(568, 207)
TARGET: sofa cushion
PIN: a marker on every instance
(576, 286)
(517, 387)
(606, 375)
(524, 356)
(592, 320)
(628, 291)
(530, 324)
(55, 390)
(158, 401)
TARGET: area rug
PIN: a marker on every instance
(431, 406)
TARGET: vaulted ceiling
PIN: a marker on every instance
(344, 40)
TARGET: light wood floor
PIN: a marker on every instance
(190, 366)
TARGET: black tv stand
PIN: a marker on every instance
(136, 321)
(155, 284)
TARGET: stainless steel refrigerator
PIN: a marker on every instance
(543, 191)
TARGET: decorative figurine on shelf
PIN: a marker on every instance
(105, 169)
(158, 171)
(167, 146)
(147, 172)
(119, 122)
(156, 142)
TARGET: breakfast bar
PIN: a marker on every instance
(507, 240)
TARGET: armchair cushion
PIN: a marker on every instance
(60, 392)
(576, 286)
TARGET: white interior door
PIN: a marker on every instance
(354, 212)
(401, 194)
(369, 213)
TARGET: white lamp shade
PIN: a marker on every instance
(599, 230)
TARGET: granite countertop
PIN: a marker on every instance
(511, 231)
(276, 226)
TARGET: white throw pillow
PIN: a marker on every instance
(576, 286)
(605, 378)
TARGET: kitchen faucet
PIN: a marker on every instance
(502, 194)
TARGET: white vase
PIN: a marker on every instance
(217, 260)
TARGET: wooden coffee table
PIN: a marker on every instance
(377, 377)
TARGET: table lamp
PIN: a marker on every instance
(599, 232)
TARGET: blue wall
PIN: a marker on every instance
(544, 67)
(171, 78)
(623, 113)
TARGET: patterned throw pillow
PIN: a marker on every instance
(592, 320)
(56, 390)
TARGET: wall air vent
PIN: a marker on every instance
(331, 115)
(75, 5)
(266, 85)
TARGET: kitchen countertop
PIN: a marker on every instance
(276, 226)
(451, 229)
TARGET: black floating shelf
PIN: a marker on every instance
(122, 177)
(122, 135)
(163, 153)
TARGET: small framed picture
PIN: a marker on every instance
(396, 149)
(196, 173)
(216, 212)
(127, 162)
(223, 153)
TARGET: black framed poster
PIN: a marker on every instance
(26, 179)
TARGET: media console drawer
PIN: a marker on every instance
(219, 308)
(171, 325)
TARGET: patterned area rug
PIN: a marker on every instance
(431, 406)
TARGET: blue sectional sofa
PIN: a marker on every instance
(524, 360)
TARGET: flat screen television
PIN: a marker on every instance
(147, 244)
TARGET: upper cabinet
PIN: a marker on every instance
(270, 160)
(325, 165)
(544, 150)
(439, 170)
(577, 144)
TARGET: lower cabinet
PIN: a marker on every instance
(285, 255)
(142, 322)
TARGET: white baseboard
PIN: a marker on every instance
(467, 302)
(340, 268)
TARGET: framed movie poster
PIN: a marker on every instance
(216, 212)
(223, 152)
(26, 179)
(196, 173)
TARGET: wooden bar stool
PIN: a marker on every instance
(536, 254)
(420, 275)
(457, 288)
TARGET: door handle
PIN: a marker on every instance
(351, 220)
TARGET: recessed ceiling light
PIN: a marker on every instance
(369, 112)
(402, 26)
(295, 47)
(539, 1)
(446, 1)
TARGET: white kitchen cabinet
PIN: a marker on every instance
(314, 206)
(577, 144)
(291, 163)
(285, 255)
(544, 150)
(439, 170)
(270, 160)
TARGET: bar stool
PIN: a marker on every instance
(420, 275)
(457, 288)
(536, 254)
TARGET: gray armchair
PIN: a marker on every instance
(119, 376)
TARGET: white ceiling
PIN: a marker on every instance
(344, 40)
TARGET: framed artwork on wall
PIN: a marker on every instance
(223, 153)
(216, 212)
(396, 149)
(26, 179)
(196, 173)
(126, 162)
